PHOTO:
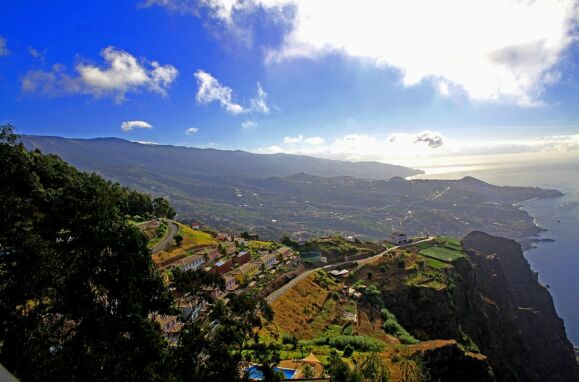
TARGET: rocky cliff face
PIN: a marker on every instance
(526, 339)
(496, 305)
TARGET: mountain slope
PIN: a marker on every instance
(105, 154)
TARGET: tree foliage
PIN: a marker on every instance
(79, 291)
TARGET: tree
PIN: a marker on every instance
(336, 368)
(162, 209)
(348, 351)
(373, 368)
(178, 239)
(77, 284)
(309, 371)
(370, 274)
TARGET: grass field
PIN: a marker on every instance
(445, 254)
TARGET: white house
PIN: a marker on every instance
(193, 262)
(398, 238)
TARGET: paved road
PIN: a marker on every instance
(277, 293)
(167, 240)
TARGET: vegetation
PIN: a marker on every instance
(78, 289)
(391, 326)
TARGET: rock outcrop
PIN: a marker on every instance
(495, 306)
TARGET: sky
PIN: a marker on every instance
(418, 83)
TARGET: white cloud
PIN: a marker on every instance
(122, 73)
(3, 48)
(147, 143)
(211, 90)
(429, 148)
(192, 130)
(248, 124)
(130, 125)
(259, 103)
(315, 141)
(492, 51)
(290, 140)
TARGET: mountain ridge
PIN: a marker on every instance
(225, 162)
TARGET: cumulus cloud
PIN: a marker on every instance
(491, 51)
(248, 124)
(130, 125)
(122, 73)
(290, 140)
(404, 149)
(433, 140)
(3, 48)
(315, 141)
(211, 90)
(192, 130)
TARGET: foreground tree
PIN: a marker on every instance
(77, 283)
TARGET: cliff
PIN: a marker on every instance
(494, 305)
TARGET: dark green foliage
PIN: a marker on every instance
(391, 326)
(359, 343)
(77, 283)
(162, 209)
(348, 351)
(178, 239)
(78, 289)
(336, 368)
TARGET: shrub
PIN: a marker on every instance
(348, 351)
(392, 327)
(359, 343)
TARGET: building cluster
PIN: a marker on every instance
(231, 259)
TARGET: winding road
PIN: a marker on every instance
(276, 294)
(167, 240)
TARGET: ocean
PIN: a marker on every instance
(556, 261)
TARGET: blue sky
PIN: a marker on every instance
(360, 81)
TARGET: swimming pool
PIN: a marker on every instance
(254, 373)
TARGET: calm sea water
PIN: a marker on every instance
(557, 262)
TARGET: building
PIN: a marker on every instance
(230, 283)
(268, 260)
(196, 225)
(398, 238)
(223, 236)
(252, 236)
(193, 262)
(246, 270)
(241, 258)
(284, 253)
(222, 266)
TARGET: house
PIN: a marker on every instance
(193, 262)
(223, 236)
(196, 225)
(268, 260)
(252, 236)
(230, 283)
(350, 239)
(246, 270)
(222, 266)
(398, 238)
(284, 253)
(190, 310)
(170, 326)
(241, 258)
(239, 241)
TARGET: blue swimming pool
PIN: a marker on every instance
(254, 373)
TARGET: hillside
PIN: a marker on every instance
(478, 315)
(277, 194)
(112, 155)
